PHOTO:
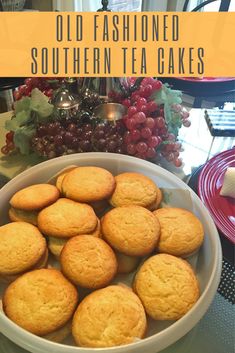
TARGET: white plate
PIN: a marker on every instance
(207, 266)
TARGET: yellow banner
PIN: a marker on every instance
(117, 44)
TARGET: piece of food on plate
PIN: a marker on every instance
(109, 317)
(88, 262)
(26, 202)
(167, 287)
(56, 245)
(23, 216)
(66, 218)
(88, 184)
(182, 232)
(22, 248)
(126, 264)
(42, 302)
(133, 189)
(61, 175)
(132, 230)
(155, 205)
(228, 187)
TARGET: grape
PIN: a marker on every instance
(140, 155)
(139, 117)
(146, 133)
(141, 147)
(41, 130)
(157, 85)
(5, 150)
(152, 106)
(151, 152)
(17, 95)
(169, 147)
(111, 146)
(153, 141)
(135, 135)
(127, 137)
(135, 96)
(87, 127)
(171, 137)
(102, 144)
(141, 101)
(131, 149)
(51, 154)
(58, 140)
(68, 138)
(143, 109)
(146, 91)
(85, 145)
(79, 131)
(178, 162)
(88, 135)
(150, 123)
(131, 111)
(170, 157)
(126, 103)
(99, 134)
(159, 122)
(131, 123)
(75, 142)
(119, 141)
(148, 81)
(10, 136)
(187, 123)
(120, 150)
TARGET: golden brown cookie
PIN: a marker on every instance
(56, 244)
(132, 230)
(167, 287)
(66, 218)
(88, 262)
(88, 184)
(181, 232)
(22, 247)
(40, 301)
(109, 317)
(155, 205)
(133, 189)
(35, 197)
(23, 216)
(126, 264)
(60, 177)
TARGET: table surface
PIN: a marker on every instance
(215, 332)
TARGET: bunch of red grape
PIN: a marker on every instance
(10, 146)
(69, 136)
(147, 134)
(46, 85)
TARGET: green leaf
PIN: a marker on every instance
(22, 105)
(19, 120)
(39, 104)
(22, 138)
(11, 125)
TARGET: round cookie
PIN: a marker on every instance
(35, 197)
(167, 287)
(181, 232)
(22, 247)
(88, 184)
(155, 205)
(133, 189)
(40, 301)
(66, 218)
(23, 216)
(132, 230)
(109, 317)
(56, 245)
(126, 264)
(88, 262)
(60, 177)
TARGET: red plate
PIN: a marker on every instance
(222, 209)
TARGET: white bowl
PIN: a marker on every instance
(208, 266)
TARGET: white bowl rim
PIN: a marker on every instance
(28, 340)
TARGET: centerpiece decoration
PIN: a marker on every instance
(140, 117)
